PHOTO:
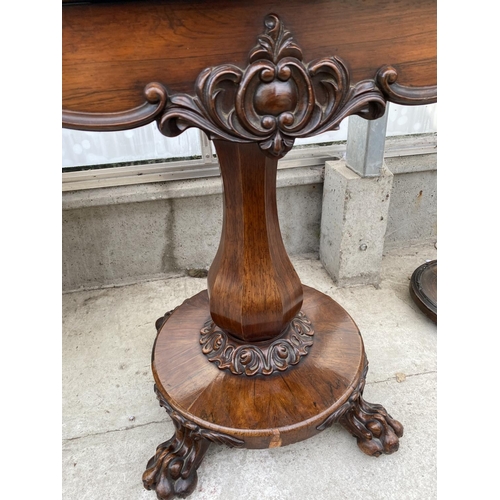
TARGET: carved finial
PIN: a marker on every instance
(276, 43)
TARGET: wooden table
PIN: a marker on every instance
(257, 360)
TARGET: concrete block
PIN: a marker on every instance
(413, 209)
(125, 234)
(126, 243)
(353, 224)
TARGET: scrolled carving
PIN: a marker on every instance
(275, 99)
(354, 396)
(195, 430)
(253, 359)
(171, 471)
(387, 82)
(156, 96)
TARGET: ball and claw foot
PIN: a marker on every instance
(375, 430)
(171, 472)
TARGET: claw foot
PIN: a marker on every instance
(375, 430)
(172, 470)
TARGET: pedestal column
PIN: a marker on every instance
(253, 288)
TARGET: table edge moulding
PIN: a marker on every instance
(258, 360)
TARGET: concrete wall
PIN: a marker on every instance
(121, 235)
(413, 206)
(114, 236)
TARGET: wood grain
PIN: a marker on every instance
(423, 288)
(111, 51)
(262, 410)
(254, 289)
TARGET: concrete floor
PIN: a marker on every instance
(112, 422)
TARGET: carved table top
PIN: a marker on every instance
(124, 60)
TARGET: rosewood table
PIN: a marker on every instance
(257, 360)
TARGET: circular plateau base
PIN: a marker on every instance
(423, 288)
(260, 411)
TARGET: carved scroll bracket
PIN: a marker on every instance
(172, 470)
(156, 96)
(274, 100)
(196, 431)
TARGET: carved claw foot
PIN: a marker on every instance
(171, 471)
(375, 430)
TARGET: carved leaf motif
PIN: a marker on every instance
(340, 413)
(195, 431)
(275, 99)
(212, 109)
(276, 44)
(375, 430)
(249, 359)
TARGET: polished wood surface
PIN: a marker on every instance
(112, 50)
(209, 405)
(254, 76)
(263, 411)
(254, 289)
(423, 288)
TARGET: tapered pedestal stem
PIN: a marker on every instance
(253, 288)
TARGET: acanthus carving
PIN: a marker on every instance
(195, 430)
(355, 395)
(275, 100)
(375, 430)
(172, 470)
(254, 359)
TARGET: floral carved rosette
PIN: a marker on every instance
(275, 99)
(265, 359)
